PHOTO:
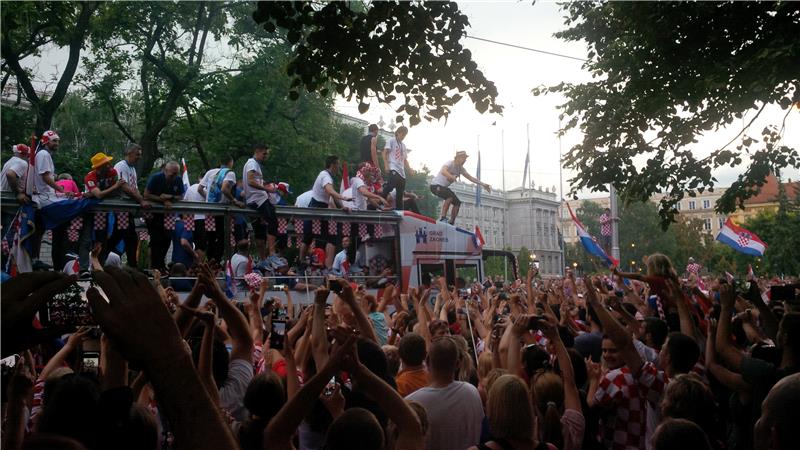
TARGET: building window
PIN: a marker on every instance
(691, 205)
(707, 224)
(678, 206)
(721, 221)
(706, 204)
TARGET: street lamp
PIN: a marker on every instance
(575, 268)
(633, 265)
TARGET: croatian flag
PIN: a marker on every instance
(185, 176)
(590, 243)
(477, 238)
(740, 239)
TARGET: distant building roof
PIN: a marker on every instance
(769, 191)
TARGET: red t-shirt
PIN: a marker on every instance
(102, 182)
(318, 257)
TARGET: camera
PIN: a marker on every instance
(334, 286)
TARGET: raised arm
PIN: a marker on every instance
(729, 379)
(319, 337)
(730, 356)
(364, 325)
(615, 331)
(571, 397)
(237, 323)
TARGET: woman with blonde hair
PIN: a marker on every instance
(511, 417)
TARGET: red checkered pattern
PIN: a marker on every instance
(211, 224)
(123, 220)
(744, 239)
(362, 231)
(625, 424)
(283, 225)
(653, 383)
(289, 242)
(74, 230)
(346, 229)
(188, 222)
(378, 231)
(169, 221)
(332, 228)
(693, 268)
(233, 238)
(316, 227)
(605, 225)
(298, 226)
(144, 236)
(100, 221)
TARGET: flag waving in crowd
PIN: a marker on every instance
(590, 243)
(741, 240)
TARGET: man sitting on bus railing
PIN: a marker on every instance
(219, 186)
(163, 187)
(101, 182)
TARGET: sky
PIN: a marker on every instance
(502, 139)
(515, 72)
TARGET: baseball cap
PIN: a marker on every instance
(50, 135)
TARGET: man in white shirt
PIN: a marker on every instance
(199, 234)
(440, 185)
(256, 194)
(454, 408)
(13, 178)
(219, 186)
(395, 163)
(46, 191)
(322, 194)
(341, 266)
(360, 186)
(126, 169)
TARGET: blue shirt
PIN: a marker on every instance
(180, 254)
(158, 184)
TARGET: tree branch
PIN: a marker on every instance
(116, 120)
(198, 145)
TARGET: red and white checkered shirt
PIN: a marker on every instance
(625, 422)
(693, 268)
(605, 225)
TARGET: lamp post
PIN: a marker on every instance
(575, 268)
(633, 265)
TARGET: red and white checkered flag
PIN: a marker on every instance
(316, 227)
(378, 231)
(283, 225)
(144, 236)
(188, 222)
(232, 236)
(123, 220)
(289, 242)
(362, 231)
(211, 223)
(346, 229)
(74, 230)
(169, 221)
(332, 228)
(298, 226)
(100, 221)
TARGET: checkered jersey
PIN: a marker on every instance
(625, 422)
(605, 225)
(693, 268)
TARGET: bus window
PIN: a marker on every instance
(468, 273)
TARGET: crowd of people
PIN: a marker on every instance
(616, 361)
(199, 237)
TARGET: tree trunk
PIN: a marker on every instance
(150, 154)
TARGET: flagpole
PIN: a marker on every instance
(505, 207)
(526, 189)
(614, 223)
(478, 187)
(561, 200)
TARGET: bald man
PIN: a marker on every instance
(163, 187)
(776, 429)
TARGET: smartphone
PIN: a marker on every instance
(533, 324)
(277, 334)
(68, 308)
(330, 388)
(278, 287)
(463, 293)
(334, 286)
(91, 361)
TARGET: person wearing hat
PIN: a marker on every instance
(103, 180)
(440, 186)
(12, 179)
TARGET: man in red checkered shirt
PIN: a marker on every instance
(605, 230)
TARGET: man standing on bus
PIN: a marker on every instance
(369, 146)
(256, 194)
(322, 194)
(395, 162)
(440, 186)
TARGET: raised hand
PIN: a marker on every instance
(22, 297)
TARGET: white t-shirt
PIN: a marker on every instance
(210, 178)
(455, 414)
(303, 199)
(253, 195)
(359, 200)
(441, 180)
(193, 195)
(20, 167)
(127, 173)
(318, 191)
(397, 156)
(348, 193)
(45, 193)
(338, 260)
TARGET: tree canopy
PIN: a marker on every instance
(664, 74)
(388, 49)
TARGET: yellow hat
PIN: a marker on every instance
(99, 159)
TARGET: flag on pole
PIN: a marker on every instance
(478, 237)
(31, 167)
(478, 186)
(185, 176)
(230, 283)
(590, 243)
(741, 240)
(750, 274)
(525, 170)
